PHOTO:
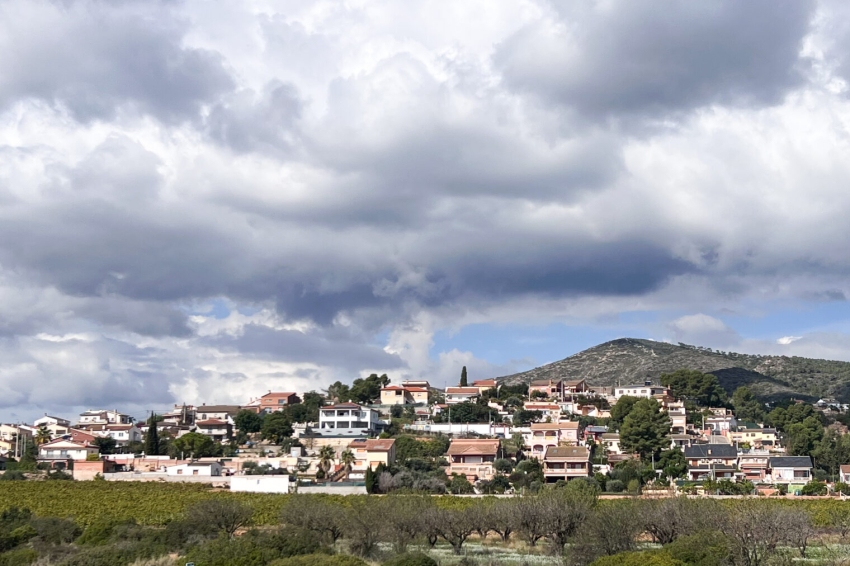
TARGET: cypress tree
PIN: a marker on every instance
(152, 438)
(463, 377)
(371, 484)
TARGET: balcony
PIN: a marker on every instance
(474, 471)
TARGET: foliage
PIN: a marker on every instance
(276, 428)
(802, 437)
(152, 438)
(644, 558)
(645, 429)
(747, 407)
(463, 378)
(225, 516)
(192, 445)
(253, 549)
(783, 417)
(700, 388)
(503, 465)
(814, 488)
(407, 447)
(12, 475)
(705, 548)
(248, 421)
(319, 560)
(18, 557)
(470, 413)
(410, 559)
(105, 444)
(459, 485)
(366, 390)
(673, 463)
(621, 410)
(524, 417)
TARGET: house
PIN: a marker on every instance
(81, 436)
(758, 438)
(543, 435)
(61, 451)
(370, 453)
(711, 461)
(182, 415)
(753, 464)
(681, 441)
(122, 434)
(276, 401)
(678, 417)
(218, 430)
(456, 395)
(594, 432)
(208, 469)
(546, 389)
(473, 457)
(720, 423)
(56, 425)
(844, 473)
(485, 384)
(645, 391)
(610, 442)
(220, 412)
(398, 395)
(349, 419)
(104, 416)
(260, 484)
(575, 387)
(566, 463)
(420, 383)
(791, 469)
(10, 434)
(547, 410)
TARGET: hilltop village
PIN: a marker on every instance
(684, 434)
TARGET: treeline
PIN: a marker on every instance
(568, 523)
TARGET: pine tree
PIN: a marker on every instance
(371, 481)
(152, 438)
(463, 382)
(645, 429)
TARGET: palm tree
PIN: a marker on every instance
(327, 455)
(347, 459)
(42, 435)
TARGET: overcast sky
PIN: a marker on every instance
(201, 201)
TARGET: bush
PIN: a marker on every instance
(13, 475)
(19, 557)
(841, 487)
(99, 532)
(645, 558)
(254, 548)
(814, 488)
(411, 559)
(614, 486)
(320, 560)
(707, 548)
(54, 530)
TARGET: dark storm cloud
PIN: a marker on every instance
(95, 59)
(335, 347)
(639, 57)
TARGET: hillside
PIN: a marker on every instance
(631, 360)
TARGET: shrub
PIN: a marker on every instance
(841, 487)
(634, 486)
(645, 558)
(411, 559)
(707, 548)
(99, 532)
(19, 557)
(13, 475)
(614, 486)
(320, 560)
(814, 488)
(254, 548)
(54, 530)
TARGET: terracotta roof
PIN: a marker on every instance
(542, 382)
(555, 426)
(278, 394)
(342, 406)
(573, 382)
(380, 444)
(844, 468)
(217, 409)
(484, 383)
(464, 446)
(462, 390)
(211, 422)
(575, 452)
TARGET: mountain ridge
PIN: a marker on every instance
(633, 360)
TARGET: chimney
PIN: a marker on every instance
(648, 382)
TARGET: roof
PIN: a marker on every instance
(463, 446)
(404, 388)
(66, 441)
(484, 383)
(711, 451)
(342, 406)
(543, 382)
(555, 426)
(217, 409)
(610, 436)
(577, 452)
(596, 428)
(462, 390)
(845, 468)
(380, 444)
(278, 394)
(573, 382)
(789, 462)
(211, 422)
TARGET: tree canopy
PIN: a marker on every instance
(702, 389)
(277, 427)
(645, 429)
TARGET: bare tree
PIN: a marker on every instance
(800, 529)
(564, 511)
(755, 530)
(225, 516)
(363, 524)
(314, 514)
(454, 526)
(405, 518)
(500, 516)
(608, 530)
(531, 523)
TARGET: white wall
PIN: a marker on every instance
(260, 484)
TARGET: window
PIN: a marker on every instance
(281, 401)
(179, 472)
(194, 472)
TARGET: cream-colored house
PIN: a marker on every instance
(543, 435)
(61, 450)
(370, 452)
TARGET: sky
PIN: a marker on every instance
(202, 202)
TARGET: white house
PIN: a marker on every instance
(645, 391)
(456, 395)
(207, 469)
(349, 419)
(56, 425)
(104, 416)
(792, 469)
(260, 484)
(64, 450)
(218, 412)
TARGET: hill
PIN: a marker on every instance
(631, 360)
